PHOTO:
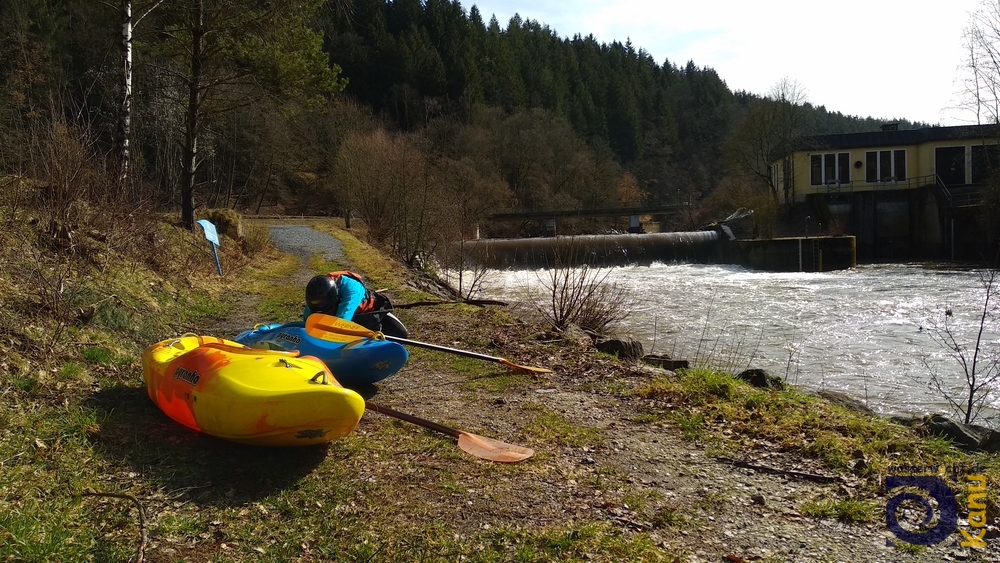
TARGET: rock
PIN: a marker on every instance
(846, 401)
(991, 442)
(576, 335)
(910, 421)
(761, 379)
(626, 348)
(860, 466)
(666, 362)
(969, 437)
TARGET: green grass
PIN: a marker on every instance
(98, 355)
(692, 425)
(716, 408)
(198, 307)
(646, 418)
(638, 499)
(913, 549)
(668, 517)
(571, 544)
(549, 427)
(77, 420)
(283, 304)
(497, 380)
(71, 370)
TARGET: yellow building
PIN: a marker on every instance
(950, 158)
(913, 193)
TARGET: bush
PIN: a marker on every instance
(256, 239)
(227, 222)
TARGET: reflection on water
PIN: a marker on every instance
(865, 331)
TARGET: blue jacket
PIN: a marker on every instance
(352, 294)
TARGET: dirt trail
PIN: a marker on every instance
(688, 501)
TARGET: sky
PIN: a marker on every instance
(887, 59)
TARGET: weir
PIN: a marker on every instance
(715, 246)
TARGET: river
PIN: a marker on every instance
(867, 331)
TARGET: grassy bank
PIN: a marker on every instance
(91, 470)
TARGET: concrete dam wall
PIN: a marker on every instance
(805, 254)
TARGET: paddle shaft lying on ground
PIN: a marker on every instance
(318, 322)
(479, 446)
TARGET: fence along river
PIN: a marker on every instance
(866, 331)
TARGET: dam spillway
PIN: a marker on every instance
(716, 246)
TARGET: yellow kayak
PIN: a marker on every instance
(260, 397)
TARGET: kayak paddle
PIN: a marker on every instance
(335, 329)
(479, 446)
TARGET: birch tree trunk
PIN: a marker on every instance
(126, 109)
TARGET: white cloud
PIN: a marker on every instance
(879, 58)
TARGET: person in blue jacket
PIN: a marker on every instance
(343, 295)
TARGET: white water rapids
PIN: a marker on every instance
(864, 331)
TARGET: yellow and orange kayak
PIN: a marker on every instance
(260, 397)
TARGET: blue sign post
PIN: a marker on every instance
(213, 240)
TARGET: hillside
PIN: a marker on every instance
(632, 462)
(343, 108)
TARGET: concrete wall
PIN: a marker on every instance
(797, 254)
(815, 254)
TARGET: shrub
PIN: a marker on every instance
(227, 222)
(581, 295)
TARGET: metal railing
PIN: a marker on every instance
(834, 187)
(956, 196)
(943, 187)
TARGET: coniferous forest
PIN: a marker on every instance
(417, 117)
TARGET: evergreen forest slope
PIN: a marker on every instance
(399, 112)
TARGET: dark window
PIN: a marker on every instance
(985, 162)
(829, 168)
(885, 166)
(844, 167)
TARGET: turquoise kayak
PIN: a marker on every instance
(354, 363)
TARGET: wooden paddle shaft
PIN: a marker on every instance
(430, 346)
(415, 420)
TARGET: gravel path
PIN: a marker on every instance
(304, 241)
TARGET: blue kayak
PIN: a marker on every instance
(354, 363)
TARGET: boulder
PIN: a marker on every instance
(573, 333)
(760, 378)
(626, 348)
(666, 362)
(846, 401)
(968, 437)
(990, 442)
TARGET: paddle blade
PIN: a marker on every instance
(492, 450)
(528, 369)
(334, 329)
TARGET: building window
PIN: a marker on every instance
(829, 168)
(885, 166)
(985, 162)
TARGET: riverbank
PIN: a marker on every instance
(868, 332)
(632, 462)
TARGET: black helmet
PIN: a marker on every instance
(322, 295)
